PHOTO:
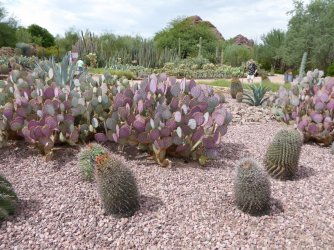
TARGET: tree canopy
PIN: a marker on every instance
(41, 36)
(189, 35)
(311, 30)
(7, 29)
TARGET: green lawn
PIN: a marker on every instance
(226, 83)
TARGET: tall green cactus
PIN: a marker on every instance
(200, 47)
(86, 159)
(282, 156)
(302, 65)
(8, 198)
(236, 87)
(252, 188)
(117, 186)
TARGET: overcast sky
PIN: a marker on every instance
(146, 17)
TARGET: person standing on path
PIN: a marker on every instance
(80, 64)
(251, 70)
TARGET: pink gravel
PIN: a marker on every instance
(185, 207)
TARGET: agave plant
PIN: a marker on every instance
(256, 95)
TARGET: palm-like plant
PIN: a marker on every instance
(255, 95)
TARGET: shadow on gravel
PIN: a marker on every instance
(304, 172)
(233, 151)
(276, 207)
(150, 204)
(27, 208)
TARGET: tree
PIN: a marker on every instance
(7, 29)
(65, 43)
(311, 30)
(41, 36)
(269, 53)
(22, 35)
(235, 55)
(189, 35)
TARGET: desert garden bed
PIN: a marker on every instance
(184, 207)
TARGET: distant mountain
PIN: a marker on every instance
(196, 19)
(242, 40)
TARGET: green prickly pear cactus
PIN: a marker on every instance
(282, 156)
(252, 188)
(8, 198)
(117, 187)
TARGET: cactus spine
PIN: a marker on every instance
(236, 87)
(87, 157)
(117, 186)
(282, 156)
(8, 198)
(252, 188)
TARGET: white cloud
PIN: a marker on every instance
(145, 18)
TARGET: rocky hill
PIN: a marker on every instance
(196, 19)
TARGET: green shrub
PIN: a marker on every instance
(330, 70)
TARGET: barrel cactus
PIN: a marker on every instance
(239, 96)
(282, 156)
(117, 186)
(252, 188)
(87, 157)
(8, 198)
(236, 87)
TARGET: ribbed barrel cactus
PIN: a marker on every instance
(8, 198)
(117, 186)
(282, 156)
(87, 157)
(236, 87)
(239, 96)
(252, 188)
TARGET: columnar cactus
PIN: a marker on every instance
(236, 87)
(87, 157)
(282, 156)
(8, 198)
(117, 186)
(252, 188)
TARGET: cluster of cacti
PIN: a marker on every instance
(252, 188)
(160, 114)
(8, 198)
(315, 113)
(200, 70)
(116, 186)
(236, 87)
(282, 156)
(310, 105)
(87, 157)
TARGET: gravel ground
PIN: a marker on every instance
(185, 207)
